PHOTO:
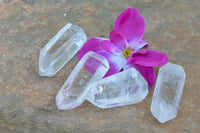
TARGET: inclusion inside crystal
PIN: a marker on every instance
(60, 49)
(76, 87)
(124, 88)
(167, 93)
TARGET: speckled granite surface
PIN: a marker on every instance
(27, 101)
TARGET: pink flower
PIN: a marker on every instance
(122, 50)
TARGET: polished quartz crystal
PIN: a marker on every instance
(76, 87)
(60, 49)
(167, 93)
(124, 88)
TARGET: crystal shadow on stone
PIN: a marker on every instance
(168, 92)
(60, 49)
(76, 87)
(124, 88)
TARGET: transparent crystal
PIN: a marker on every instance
(124, 88)
(60, 49)
(167, 93)
(74, 90)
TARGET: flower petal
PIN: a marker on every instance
(94, 44)
(118, 40)
(148, 58)
(131, 25)
(140, 45)
(147, 72)
(116, 62)
(130, 58)
(108, 46)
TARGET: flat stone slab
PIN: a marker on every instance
(27, 100)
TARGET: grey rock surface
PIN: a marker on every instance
(27, 101)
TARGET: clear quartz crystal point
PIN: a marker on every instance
(75, 88)
(168, 91)
(60, 49)
(124, 88)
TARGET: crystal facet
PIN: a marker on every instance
(60, 49)
(124, 88)
(76, 87)
(167, 93)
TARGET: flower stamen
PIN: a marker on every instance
(127, 52)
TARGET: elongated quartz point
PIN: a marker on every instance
(124, 88)
(60, 49)
(74, 90)
(167, 93)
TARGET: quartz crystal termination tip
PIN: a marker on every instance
(90, 68)
(124, 88)
(168, 91)
(60, 49)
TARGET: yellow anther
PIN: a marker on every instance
(127, 52)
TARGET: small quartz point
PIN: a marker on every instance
(60, 49)
(124, 88)
(168, 91)
(75, 88)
